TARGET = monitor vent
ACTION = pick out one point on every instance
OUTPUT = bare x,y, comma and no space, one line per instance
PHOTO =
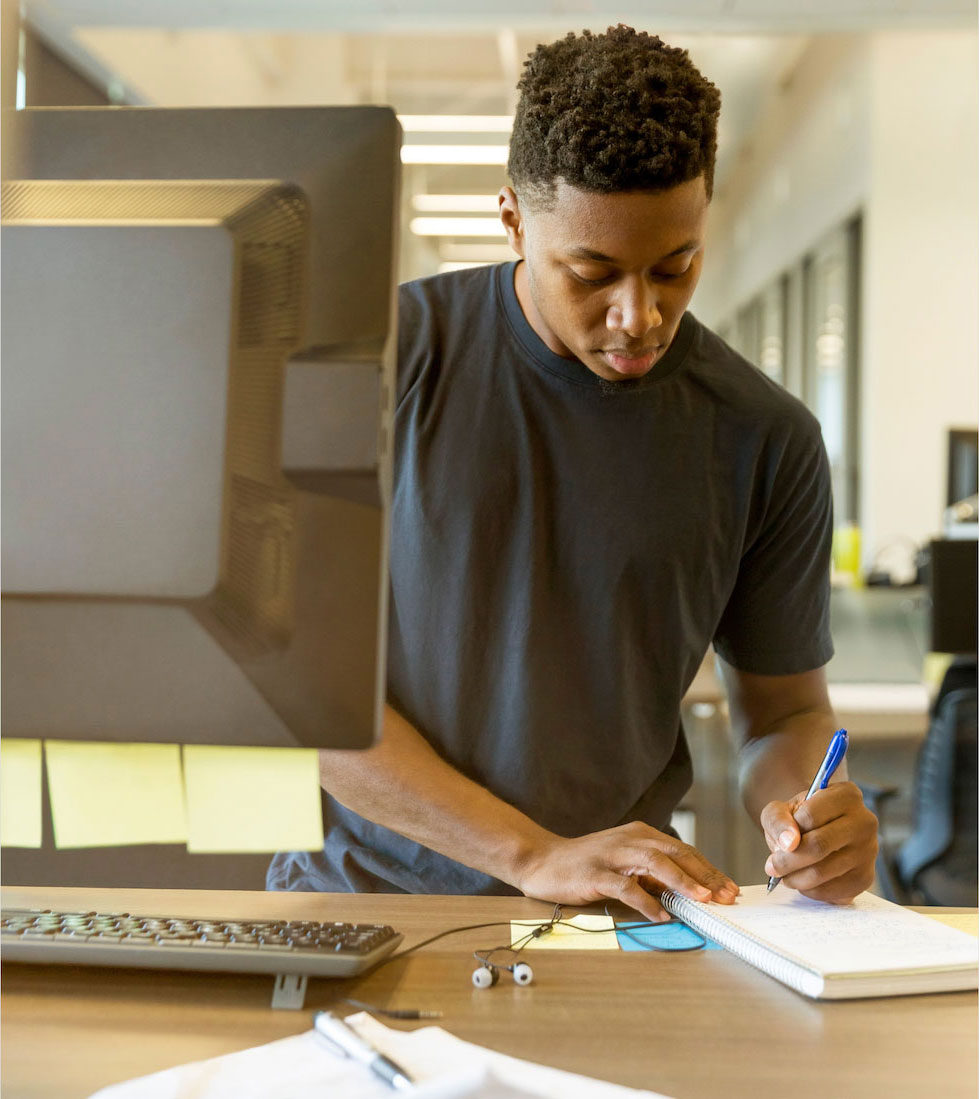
129,200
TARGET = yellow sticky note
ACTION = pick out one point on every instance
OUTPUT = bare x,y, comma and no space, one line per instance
252,799
582,932
961,921
108,795
20,793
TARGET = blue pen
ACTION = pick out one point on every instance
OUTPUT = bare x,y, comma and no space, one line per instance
833,758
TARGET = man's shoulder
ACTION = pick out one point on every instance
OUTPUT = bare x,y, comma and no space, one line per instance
475,285
441,317
741,386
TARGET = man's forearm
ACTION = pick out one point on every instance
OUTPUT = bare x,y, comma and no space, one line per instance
824,846
402,784
779,764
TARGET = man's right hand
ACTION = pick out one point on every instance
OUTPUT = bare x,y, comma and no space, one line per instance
631,863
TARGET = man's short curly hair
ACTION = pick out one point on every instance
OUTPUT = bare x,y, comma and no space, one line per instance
620,111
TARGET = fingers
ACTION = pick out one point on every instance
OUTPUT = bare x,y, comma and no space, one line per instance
842,889
672,864
838,800
628,863
834,858
782,832
815,847
630,892
784,822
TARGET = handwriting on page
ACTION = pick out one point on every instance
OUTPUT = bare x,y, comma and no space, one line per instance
864,936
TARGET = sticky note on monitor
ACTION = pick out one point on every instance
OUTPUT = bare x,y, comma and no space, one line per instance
252,799
20,793
107,795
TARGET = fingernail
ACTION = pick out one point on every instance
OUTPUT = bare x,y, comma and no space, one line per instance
702,891
785,840
769,868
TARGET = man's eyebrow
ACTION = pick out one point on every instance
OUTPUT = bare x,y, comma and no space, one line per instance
582,252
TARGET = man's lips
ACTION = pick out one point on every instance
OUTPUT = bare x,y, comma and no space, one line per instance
629,361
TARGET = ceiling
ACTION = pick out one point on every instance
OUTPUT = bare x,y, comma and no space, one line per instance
459,57
711,16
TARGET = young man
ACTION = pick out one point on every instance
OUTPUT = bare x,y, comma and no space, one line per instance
590,489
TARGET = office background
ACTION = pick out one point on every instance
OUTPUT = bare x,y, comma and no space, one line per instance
844,233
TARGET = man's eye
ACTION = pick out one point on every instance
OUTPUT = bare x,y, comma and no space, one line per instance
671,274
589,278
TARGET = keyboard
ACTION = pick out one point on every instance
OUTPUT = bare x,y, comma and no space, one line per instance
303,948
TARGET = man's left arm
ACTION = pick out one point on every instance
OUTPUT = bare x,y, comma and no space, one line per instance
824,847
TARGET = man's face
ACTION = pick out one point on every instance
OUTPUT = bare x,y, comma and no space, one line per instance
608,277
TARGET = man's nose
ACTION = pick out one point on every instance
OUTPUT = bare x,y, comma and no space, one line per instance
635,309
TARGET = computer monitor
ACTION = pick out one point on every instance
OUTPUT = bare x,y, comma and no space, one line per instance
963,464
198,352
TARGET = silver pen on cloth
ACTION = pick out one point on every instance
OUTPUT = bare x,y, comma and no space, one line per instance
347,1040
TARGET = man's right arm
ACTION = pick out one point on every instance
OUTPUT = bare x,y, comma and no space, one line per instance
403,784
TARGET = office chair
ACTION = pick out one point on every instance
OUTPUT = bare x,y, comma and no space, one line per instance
937,863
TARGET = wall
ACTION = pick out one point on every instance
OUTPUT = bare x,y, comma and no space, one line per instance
805,169
886,123
222,68
922,275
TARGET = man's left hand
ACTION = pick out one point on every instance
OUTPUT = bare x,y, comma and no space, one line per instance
824,847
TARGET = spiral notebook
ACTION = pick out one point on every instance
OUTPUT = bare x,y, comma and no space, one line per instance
836,952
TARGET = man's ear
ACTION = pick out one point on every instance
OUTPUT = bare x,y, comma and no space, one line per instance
512,219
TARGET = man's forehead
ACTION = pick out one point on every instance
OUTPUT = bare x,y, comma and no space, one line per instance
602,227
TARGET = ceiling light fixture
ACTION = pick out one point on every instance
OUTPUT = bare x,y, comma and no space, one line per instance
456,123
460,266
469,252
456,204
454,154
456,227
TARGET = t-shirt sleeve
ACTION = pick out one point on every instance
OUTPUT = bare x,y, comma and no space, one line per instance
415,336
776,621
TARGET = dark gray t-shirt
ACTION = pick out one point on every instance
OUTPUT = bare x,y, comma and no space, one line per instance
563,552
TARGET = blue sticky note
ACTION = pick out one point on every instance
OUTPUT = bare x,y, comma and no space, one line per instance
660,936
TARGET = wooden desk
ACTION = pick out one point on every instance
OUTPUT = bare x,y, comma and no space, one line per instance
692,1026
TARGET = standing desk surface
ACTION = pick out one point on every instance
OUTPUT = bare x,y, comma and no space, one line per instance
693,1026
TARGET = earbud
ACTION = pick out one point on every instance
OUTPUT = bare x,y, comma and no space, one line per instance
486,976
488,973
522,973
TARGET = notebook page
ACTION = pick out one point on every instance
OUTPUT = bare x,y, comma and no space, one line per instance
869,935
